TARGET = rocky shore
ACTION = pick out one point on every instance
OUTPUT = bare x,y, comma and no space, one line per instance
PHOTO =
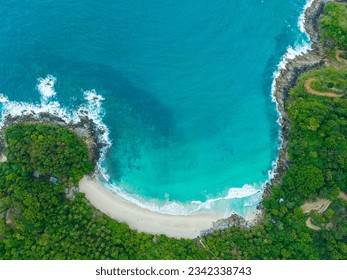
85,129
287,77
285,80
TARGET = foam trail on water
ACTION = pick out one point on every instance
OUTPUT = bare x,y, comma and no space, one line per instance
16,109
251,193
290,54
302,17
46,87
246,190
3,98
92,109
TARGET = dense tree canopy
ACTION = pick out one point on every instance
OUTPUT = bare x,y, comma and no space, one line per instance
51,150
38,222
334,25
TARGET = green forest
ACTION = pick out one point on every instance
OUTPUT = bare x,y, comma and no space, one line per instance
38,221
333,25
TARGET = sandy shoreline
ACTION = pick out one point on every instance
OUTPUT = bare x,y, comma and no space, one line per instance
193,225
143,219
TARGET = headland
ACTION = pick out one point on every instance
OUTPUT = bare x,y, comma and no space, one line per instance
204,222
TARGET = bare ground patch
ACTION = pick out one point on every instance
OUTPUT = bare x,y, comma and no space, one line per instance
339,58
320,206
310,225
319,93
342,195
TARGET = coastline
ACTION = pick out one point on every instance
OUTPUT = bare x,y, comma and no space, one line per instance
207,222
286,79
142,219
85,130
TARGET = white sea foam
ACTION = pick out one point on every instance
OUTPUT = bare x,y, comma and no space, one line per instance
92,109
46,87
302,17
290,54
246,190
15,109
48,105
3,98
252,194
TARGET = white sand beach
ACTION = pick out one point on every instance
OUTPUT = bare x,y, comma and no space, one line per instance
144,220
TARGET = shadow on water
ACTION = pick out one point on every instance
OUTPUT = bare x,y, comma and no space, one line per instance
131,112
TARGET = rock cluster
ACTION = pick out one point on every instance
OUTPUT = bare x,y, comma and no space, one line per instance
85,129
286,79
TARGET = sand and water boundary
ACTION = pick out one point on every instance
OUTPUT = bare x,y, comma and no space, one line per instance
203,222
206,222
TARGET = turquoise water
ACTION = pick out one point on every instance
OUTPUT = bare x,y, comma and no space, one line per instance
186,88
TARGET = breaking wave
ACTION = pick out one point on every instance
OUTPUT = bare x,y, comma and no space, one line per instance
249,195
290,54
91,108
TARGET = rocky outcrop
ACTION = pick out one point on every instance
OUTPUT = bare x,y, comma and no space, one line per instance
233,220
286,79
85,129
11,215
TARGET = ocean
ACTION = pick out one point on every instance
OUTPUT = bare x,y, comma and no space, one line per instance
182,89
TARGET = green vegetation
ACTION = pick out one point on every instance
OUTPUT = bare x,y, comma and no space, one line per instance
330,80
318,136
334,25
51,150
45,225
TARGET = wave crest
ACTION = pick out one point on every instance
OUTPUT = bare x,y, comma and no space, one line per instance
46,87
248,195
302,17
92,109
246,198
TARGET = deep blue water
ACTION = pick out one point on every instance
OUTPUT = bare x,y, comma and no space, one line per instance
187,85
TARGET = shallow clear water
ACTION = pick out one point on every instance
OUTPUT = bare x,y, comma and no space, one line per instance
187,87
